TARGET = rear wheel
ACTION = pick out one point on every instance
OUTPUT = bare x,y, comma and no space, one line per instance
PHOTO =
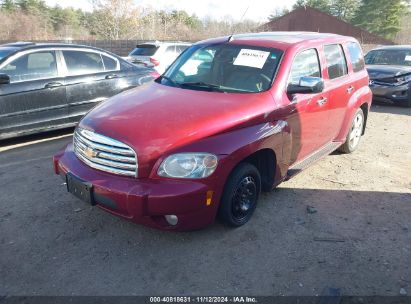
240,195
354,135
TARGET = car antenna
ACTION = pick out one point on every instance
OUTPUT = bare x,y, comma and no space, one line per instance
231,37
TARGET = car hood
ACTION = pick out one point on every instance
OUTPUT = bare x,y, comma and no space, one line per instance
155,118
387,71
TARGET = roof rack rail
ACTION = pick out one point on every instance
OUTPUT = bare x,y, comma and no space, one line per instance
156,42
19,43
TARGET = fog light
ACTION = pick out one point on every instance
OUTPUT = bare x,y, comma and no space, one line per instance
172,219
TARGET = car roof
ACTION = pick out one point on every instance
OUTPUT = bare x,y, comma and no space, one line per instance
280,39
394,47
19,46
8,48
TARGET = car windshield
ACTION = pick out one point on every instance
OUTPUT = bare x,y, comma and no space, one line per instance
224,68
144,50
389,57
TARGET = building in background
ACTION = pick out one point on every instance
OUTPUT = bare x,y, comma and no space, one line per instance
313,20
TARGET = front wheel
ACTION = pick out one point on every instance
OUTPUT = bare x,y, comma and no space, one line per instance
240,195
354,136
406,104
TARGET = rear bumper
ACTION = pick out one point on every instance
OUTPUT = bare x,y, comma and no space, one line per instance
145,201
391,94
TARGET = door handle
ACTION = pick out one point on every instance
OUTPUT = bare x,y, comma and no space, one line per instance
322,101
111,76
53,84
350,89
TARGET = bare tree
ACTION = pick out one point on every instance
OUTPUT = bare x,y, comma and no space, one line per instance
111,20
115,19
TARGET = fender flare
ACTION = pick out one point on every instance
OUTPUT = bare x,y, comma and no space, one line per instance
358,99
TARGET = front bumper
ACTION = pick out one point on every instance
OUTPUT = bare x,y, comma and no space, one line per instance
146,201
391,94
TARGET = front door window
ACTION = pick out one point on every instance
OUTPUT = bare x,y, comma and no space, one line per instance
32,66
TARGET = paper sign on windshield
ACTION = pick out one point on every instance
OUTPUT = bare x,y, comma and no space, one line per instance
251,58
408,58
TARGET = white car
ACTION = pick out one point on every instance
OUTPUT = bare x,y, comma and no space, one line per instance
159,55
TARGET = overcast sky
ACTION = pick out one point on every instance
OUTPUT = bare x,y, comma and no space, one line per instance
258,10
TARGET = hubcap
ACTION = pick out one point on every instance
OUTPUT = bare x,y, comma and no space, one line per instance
244,198
356,130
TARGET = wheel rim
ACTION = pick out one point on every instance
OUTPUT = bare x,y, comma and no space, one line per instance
244,198
356,130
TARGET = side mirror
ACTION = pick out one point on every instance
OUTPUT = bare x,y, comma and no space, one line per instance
307,85
4,79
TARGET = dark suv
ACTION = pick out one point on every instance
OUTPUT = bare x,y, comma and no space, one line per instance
49,86
389,68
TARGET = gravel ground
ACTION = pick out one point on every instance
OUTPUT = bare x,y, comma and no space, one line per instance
356,236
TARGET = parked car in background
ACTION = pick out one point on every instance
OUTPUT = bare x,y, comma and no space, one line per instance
193,145
157,54
389,68
50,86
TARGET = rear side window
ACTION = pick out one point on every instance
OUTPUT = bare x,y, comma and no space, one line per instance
170,49
306,64
336,63
80,63
144,50
357,60
109,63
33,66
181,48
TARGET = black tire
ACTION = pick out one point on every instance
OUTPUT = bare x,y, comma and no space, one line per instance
240,195
350,144
406,104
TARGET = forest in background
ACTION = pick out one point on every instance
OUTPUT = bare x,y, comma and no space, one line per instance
122,19
111,20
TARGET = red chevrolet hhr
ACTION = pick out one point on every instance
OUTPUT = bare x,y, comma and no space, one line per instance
231,117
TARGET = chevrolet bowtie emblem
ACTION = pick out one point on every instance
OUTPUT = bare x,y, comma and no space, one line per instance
91,153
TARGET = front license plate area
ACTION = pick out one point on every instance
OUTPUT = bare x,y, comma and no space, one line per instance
79,188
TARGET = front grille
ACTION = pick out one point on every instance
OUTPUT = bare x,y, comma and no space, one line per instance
383,82
104,153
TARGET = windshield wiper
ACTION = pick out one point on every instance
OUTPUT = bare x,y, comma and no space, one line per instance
201,84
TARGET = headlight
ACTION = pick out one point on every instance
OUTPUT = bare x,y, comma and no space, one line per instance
403,79
188,165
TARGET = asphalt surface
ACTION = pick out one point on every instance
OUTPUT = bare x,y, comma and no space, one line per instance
356,237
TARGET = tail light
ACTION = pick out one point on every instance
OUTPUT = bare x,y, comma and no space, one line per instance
154,74
154,61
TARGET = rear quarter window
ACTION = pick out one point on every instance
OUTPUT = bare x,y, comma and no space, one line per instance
356,57
170,49
109,63
181,48
336,62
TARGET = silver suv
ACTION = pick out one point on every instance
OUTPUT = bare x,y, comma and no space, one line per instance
158,55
